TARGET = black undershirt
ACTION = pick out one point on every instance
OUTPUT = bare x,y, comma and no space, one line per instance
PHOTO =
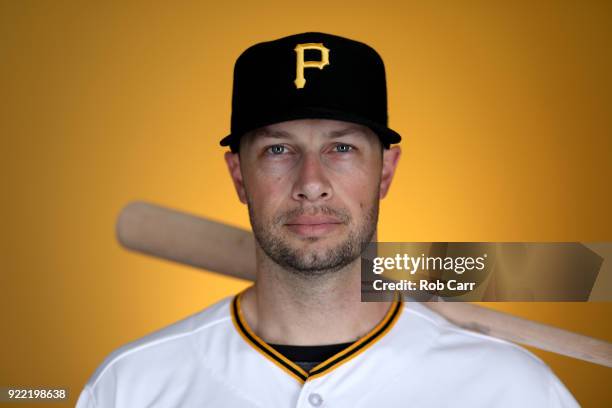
308,357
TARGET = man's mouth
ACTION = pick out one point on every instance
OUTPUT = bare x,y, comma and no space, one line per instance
309,225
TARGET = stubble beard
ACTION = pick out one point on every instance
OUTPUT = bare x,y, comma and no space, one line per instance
306,262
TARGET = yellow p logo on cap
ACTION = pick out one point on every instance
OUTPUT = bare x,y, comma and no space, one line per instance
300,81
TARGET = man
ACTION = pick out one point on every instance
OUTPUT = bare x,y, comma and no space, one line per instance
311,156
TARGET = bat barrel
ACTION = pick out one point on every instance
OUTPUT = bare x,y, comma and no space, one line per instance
187,239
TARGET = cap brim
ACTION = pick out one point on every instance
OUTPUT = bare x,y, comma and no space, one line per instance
386,134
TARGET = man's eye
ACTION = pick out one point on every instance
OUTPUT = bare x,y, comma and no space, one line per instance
276,149
343,148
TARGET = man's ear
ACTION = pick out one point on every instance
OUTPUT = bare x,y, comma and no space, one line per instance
233,165
390,159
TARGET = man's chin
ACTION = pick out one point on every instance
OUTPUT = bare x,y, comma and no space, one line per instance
315,253
310,256
314,266
313,242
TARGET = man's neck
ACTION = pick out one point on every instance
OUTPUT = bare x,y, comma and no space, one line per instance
284,308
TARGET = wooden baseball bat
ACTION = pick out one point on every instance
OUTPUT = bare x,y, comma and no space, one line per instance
218,247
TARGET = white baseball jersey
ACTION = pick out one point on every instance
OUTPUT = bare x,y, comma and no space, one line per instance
412,358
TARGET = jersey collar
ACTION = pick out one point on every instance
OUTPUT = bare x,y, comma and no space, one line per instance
326,366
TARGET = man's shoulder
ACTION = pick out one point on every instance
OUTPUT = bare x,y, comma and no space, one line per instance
166,346
461,346
473,366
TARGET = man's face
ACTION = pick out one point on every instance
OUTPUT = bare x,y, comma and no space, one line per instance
312,187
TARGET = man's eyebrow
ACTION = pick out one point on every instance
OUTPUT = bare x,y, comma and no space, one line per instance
277,134
346,131
281,134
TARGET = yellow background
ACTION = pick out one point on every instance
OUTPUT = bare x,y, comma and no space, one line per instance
504,108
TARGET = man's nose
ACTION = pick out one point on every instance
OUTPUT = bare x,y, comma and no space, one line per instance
312,183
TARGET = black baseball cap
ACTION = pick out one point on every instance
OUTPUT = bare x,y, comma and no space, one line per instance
309,75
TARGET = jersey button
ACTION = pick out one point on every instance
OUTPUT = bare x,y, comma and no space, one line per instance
315,399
